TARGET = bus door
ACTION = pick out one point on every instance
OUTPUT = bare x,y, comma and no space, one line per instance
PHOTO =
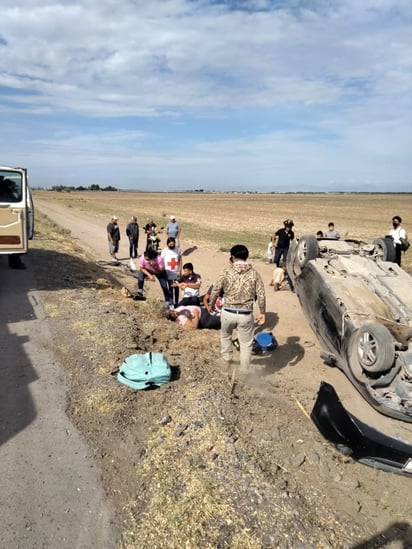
16,211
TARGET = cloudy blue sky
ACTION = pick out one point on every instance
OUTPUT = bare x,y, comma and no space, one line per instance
264,95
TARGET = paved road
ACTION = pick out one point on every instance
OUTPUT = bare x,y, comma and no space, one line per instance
50,494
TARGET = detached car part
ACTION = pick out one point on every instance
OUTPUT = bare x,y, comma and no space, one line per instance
356,439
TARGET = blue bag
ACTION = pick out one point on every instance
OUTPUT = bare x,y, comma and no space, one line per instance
264,342
144,371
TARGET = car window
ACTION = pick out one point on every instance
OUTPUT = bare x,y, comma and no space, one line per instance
10,187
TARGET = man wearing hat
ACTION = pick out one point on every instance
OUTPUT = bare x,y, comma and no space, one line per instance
173,229
281,240
113,236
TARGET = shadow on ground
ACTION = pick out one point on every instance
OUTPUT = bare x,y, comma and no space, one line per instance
61,271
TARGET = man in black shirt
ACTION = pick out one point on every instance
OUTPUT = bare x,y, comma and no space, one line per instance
113,236
281,240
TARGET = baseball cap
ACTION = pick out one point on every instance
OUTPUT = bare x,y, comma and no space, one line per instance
172,217
114,217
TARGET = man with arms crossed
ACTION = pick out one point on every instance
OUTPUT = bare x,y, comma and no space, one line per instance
240,286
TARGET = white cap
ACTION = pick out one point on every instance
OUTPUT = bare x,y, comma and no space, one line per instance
114,217
172,217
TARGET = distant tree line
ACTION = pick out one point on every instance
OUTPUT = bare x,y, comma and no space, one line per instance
94,187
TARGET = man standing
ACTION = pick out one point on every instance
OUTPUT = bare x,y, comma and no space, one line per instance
397,233
332,232
173,266
113,236
240,285
281,240
173,229
132,232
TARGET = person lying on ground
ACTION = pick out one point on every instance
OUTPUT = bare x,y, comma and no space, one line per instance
192,316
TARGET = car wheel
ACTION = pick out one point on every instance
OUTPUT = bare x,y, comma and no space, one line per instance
308,249
387,247
371,350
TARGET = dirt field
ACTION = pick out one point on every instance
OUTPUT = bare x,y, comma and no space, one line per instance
191,465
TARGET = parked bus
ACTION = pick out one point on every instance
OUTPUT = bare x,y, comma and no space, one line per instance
16,212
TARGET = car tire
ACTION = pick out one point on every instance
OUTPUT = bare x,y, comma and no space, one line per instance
387,247
307,249
371,350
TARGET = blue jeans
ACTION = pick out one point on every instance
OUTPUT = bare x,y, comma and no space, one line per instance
174,291
161,277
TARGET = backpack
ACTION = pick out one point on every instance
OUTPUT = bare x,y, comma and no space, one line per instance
404,244
264,342
144,371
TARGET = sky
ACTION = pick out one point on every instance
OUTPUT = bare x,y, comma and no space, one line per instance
177,95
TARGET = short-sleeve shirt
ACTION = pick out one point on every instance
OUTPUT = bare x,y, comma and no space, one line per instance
284,238
171,260
154,266
397,234
173,229
192,279
332,234
114,231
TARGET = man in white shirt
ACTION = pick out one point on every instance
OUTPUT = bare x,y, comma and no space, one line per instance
397,233
332,232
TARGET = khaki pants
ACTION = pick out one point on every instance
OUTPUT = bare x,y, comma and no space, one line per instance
244,324
278,277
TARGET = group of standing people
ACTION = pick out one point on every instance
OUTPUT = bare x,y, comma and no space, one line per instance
281,239
173,229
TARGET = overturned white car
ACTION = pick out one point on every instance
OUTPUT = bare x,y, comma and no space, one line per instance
359,304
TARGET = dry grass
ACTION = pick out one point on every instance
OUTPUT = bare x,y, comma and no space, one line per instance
223,219
188,508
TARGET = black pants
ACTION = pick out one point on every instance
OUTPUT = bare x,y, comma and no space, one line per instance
398,254
133,248
279,253
174,291
194,300
15,261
